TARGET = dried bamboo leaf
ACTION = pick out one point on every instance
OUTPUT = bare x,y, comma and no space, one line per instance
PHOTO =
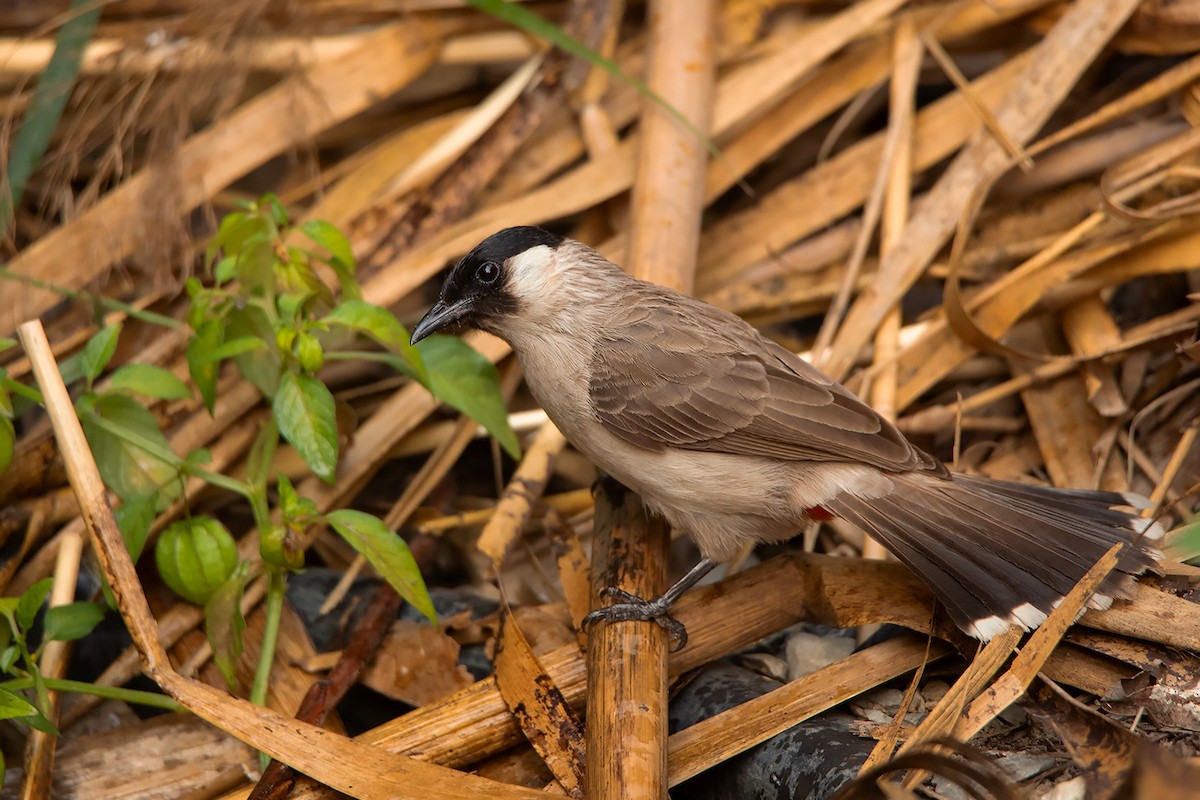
546,719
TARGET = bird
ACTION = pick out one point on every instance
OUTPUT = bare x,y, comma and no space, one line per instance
736,440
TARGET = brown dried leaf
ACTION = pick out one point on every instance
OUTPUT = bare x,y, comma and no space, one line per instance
417,664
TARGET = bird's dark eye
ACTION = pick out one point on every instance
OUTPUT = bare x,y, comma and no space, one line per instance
488,272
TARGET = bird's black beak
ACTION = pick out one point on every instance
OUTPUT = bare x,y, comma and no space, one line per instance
438,317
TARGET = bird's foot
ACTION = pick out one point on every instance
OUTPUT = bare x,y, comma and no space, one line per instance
631,607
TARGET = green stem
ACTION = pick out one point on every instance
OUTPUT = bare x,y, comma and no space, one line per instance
275,594
151,699
274,613
106,302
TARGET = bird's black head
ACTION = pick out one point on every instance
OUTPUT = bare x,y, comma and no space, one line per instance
478,292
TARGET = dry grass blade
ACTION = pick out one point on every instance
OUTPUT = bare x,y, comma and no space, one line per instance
941,720
1057,62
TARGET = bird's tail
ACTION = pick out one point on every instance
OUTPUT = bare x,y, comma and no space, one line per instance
998,553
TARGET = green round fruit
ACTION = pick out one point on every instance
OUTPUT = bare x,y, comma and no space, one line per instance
195,557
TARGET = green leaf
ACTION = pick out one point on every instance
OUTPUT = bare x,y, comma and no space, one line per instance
9,657
203,369
8,438
328,236
28,392
31,601
225,270
195,557
99,351
127,444
38,722
294,508
341,255
7,343
256,266
275,209
381,325
134,518
71,368
6,406
198,457
13,705
231,348
468,382
304,411
260,366
73,620
387,553
151,381
224,624
1183,543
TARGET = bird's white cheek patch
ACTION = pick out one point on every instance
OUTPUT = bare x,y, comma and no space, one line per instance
532,275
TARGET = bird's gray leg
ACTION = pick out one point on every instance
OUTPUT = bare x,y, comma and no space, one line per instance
632,607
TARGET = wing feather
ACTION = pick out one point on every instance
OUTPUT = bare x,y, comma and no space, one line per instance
674,372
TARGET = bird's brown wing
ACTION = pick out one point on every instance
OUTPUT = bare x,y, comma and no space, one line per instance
674,372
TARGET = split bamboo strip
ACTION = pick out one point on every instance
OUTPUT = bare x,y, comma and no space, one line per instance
549,723
515,506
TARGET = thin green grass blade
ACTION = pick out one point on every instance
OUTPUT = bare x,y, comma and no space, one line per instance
49,98
531,23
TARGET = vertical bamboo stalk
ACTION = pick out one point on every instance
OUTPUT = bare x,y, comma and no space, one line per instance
668,189
906,59
626,661
40,747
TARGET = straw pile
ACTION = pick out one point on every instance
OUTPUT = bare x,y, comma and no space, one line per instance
980,214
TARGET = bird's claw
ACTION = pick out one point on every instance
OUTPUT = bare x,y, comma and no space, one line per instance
631,607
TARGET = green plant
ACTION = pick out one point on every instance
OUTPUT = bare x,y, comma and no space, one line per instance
269,312
20,662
